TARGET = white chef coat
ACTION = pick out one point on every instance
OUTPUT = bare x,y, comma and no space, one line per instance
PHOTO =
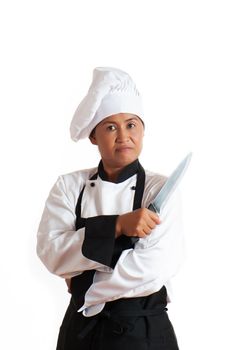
140,271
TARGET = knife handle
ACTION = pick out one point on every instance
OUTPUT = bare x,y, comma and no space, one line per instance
152,208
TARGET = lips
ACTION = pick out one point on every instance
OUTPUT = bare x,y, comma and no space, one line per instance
124,149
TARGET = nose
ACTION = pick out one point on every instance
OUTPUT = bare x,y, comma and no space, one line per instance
122,135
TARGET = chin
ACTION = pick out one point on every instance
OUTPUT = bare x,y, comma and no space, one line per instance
123,161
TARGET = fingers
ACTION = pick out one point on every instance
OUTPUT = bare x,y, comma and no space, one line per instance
145,231
154,217
138,223
149,221
144,228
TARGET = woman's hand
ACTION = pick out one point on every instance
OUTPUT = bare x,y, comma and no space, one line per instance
138,223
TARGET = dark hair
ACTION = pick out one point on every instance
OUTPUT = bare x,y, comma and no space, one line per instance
93,132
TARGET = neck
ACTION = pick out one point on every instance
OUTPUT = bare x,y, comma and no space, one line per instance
112,173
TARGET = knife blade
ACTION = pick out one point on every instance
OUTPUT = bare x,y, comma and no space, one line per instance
170,185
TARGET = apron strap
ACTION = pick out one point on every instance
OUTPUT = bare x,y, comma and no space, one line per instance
80,222
140,185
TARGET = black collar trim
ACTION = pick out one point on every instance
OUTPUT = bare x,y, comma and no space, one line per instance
128,171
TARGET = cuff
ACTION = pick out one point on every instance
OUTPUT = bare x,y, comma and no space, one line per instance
99,240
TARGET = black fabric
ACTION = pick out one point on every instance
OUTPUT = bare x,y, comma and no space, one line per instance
138,323
122,243
80,283
140,185
80,222
79,286
128,171
99,241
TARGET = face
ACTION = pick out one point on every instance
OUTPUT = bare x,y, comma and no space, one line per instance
119,139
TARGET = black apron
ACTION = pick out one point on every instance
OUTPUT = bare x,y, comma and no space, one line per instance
140,323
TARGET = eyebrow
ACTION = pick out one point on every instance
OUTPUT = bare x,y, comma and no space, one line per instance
114,122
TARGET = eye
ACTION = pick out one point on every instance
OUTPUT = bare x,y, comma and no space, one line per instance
131,125
111,128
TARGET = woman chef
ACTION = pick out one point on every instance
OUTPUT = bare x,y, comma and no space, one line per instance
97,233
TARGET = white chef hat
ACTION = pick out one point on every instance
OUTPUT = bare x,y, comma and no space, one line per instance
112,91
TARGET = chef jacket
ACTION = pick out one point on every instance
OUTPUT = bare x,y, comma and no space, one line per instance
67,252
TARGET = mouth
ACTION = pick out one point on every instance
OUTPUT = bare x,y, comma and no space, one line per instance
124,149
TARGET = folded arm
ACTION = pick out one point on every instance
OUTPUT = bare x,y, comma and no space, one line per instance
146,268
62,248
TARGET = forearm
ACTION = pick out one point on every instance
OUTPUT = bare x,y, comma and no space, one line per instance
144,269
59,245
62,253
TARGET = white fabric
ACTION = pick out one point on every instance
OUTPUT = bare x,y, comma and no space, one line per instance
112,91
140,271
58,243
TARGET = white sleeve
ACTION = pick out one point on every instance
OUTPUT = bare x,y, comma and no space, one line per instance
59,245
146,268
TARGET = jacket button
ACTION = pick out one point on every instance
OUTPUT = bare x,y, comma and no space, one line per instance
133,188
92,184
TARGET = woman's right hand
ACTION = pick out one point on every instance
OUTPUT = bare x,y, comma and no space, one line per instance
138,223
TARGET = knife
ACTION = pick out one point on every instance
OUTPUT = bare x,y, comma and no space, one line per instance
170,185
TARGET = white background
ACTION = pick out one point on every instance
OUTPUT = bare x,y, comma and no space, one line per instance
180,55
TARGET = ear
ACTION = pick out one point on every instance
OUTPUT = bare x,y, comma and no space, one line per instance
92,138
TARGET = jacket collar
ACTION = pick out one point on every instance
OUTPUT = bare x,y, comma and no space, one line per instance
128,171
